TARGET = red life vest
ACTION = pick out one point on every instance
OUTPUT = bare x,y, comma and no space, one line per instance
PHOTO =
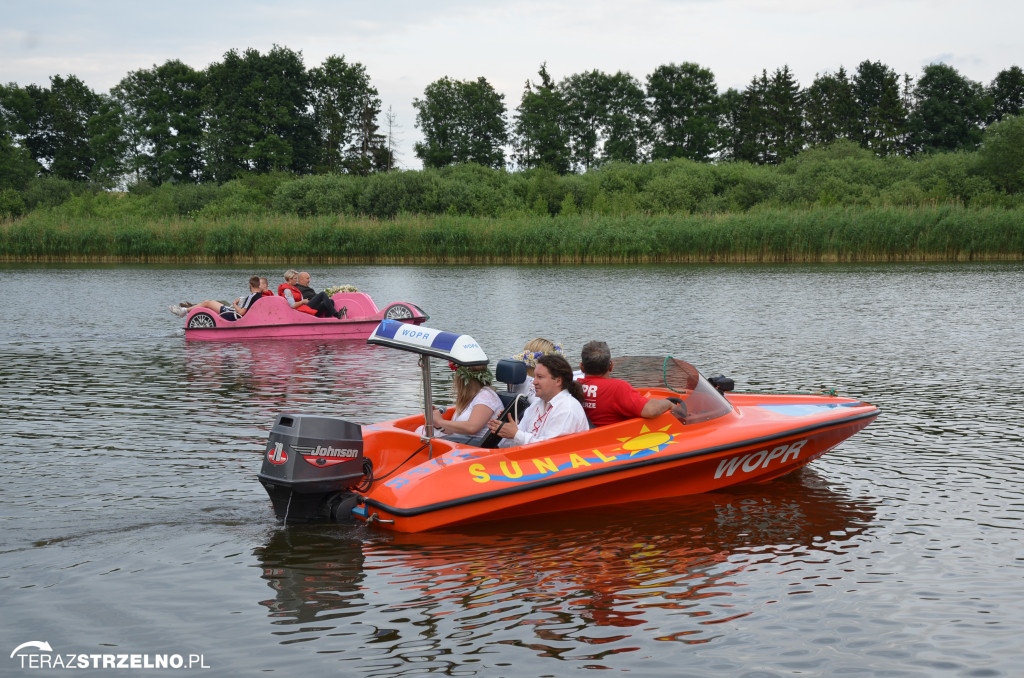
298,295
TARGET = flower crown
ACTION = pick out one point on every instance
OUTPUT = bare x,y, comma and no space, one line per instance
530,357
484,376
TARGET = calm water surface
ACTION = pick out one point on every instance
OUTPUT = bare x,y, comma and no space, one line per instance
131,520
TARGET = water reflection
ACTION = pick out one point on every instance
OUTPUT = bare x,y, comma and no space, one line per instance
300,375
131,457
571,587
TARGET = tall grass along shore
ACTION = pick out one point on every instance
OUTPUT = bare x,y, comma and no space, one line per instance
818,234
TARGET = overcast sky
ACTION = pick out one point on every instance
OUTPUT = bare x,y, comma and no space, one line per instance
407,44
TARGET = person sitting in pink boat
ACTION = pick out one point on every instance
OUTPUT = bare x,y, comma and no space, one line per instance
304,298
558,410
235,311
293,294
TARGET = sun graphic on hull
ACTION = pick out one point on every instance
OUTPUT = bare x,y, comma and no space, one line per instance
647,442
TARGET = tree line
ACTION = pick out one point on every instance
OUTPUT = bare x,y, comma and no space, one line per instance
249,113
254,113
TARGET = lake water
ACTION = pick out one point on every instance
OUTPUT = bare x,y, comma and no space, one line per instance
131,521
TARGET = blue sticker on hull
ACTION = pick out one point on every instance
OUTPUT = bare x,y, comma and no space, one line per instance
804,409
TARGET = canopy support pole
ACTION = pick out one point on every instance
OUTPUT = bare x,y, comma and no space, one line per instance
428,404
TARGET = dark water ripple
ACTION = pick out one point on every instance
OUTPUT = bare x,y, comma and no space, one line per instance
130,518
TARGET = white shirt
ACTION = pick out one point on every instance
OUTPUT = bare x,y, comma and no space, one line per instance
486,396
562,416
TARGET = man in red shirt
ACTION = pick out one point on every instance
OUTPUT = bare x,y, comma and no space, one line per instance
608,400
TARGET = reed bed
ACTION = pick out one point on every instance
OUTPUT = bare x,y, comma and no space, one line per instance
822,234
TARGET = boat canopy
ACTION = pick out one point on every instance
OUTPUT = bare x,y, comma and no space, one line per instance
460,349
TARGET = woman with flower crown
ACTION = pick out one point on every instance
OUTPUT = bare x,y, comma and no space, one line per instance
476,402
534,349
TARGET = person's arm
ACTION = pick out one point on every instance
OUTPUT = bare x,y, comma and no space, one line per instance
655,407
242,310
478,417
292,301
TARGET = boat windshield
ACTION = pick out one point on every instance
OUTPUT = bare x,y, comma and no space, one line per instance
703,401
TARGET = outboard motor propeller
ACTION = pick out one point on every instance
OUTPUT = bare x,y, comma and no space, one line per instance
311,460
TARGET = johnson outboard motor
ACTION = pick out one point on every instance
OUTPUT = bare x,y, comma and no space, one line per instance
310,466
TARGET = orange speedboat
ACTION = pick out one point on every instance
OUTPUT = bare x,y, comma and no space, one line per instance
387,474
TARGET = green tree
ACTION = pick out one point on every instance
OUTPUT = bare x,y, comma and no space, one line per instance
685,112
258,114
345,109
750,122
371,152
785,116
163,122
730,120
16,163
1001,156
881,124
627,134
585,97
767,119
540,138
607,119
52,124
1007,93
71,105
462,121
109,143
830,111
950,111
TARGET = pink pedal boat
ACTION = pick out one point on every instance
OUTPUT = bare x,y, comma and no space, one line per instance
273,318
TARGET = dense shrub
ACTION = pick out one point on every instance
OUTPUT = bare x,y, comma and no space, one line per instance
11,204
1001,157
840,175
323,194
46,192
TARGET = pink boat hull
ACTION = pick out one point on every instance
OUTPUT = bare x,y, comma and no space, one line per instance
273,318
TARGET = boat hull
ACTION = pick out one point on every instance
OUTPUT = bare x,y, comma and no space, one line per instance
272,318
449,484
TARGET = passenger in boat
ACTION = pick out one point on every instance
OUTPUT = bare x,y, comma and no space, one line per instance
236,310
607,400
265,288
292,294
475,402
319,301
558,410
534,349
304,298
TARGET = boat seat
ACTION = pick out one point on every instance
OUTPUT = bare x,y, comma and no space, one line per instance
514,410
510,372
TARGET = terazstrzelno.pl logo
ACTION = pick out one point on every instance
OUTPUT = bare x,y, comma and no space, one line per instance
39,655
